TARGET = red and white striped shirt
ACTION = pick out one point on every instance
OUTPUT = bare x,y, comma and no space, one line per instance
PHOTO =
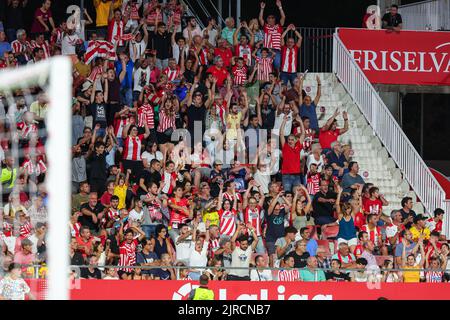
244,52
132,148
178,216
146,114
265,67
165,122
127,252
434,276
374,235
213,245
288,275
56,38
309,138
272,36
239,75
254,218
19,47
203,57
289,59
32,168
313,183
44,46
172,74
230,197
27,129
113,214
25,229
227,222
75,230
115,29
119,125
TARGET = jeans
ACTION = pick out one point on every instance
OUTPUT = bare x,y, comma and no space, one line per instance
126,96
288,77
290,180
149,230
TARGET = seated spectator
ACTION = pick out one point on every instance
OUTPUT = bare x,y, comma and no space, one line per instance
284,245
91,272
148,257
419,229
337,160
393,231
352,180
407,212
166,272
408,262
308,107
335,273
288,273
361,274
347,259
300,254
435,223
368,255
311,273
323,260
260,273
375,235
388,274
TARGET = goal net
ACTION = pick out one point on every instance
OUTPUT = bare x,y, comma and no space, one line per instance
35,137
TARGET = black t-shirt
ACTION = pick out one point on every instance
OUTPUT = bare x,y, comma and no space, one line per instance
196,114
275,226
87,220
323,209
406,215
86,274
161,43
337,277
392,21
149,177
98,166
162,274
77,259
299,260
98,112
114,91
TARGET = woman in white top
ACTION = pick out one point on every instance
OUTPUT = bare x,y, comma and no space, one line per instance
316,157
151,152
388,275
199,253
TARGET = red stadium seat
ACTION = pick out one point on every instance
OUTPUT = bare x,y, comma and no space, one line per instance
326,244
330,232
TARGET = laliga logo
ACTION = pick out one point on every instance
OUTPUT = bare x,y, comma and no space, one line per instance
185,289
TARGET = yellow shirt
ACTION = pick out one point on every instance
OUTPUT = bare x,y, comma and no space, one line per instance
212,217
121,192
39,109
416,233
411,276
102,10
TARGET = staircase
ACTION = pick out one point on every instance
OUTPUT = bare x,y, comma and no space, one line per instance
376,166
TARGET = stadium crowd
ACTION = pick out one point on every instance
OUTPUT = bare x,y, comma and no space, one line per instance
263,186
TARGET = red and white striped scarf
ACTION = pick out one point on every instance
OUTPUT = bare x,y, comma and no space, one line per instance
99,48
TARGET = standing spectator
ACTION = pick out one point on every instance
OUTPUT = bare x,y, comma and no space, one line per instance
323,204
128,250
289,56
43,20
419,229
329,133
212,31
311,273
5,46
352,180
392,21
12,286
374,204
116,25
435,223
103,9
229,30
199,252
241,255
308,106
275,224
192,29
273,32
162,41
409,262
223,50
92,212
14,18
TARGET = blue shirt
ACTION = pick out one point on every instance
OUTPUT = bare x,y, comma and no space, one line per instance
311,247
311,113
127,82
4,47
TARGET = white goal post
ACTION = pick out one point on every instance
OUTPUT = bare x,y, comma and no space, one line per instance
56,75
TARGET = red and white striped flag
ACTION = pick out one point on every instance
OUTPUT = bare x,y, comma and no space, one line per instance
100,48
125,37
95,71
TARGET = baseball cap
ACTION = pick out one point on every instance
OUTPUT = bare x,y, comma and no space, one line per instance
86,85
217,162
419,217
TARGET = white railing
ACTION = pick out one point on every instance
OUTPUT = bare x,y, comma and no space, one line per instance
434,15
384,125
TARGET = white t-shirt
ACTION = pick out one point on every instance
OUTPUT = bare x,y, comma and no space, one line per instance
68,44
139,74
263,179
149,157
198,259
320,163
137,48
196,32
241,258
34,240
176,52
183,249
212,34
257,275
287,126
136,216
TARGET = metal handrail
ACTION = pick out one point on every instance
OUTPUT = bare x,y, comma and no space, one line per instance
384,125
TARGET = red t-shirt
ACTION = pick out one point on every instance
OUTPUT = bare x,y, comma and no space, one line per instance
37,26
372,206
220,74
327,137
359,220
177,216
225,54
106,198
358,250
291,159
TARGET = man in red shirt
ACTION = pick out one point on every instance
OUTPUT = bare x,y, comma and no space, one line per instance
289,56
291,169
374,204
224,51
218,71
85,241
329,133
363,237
435,224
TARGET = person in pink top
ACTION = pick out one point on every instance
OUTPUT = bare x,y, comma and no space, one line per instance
25,256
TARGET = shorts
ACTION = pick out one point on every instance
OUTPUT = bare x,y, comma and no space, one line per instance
163,138
351,242
270,248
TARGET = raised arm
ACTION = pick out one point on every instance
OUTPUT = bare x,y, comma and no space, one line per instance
283,16
345,129
261,14
319,91
281,132
330,121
